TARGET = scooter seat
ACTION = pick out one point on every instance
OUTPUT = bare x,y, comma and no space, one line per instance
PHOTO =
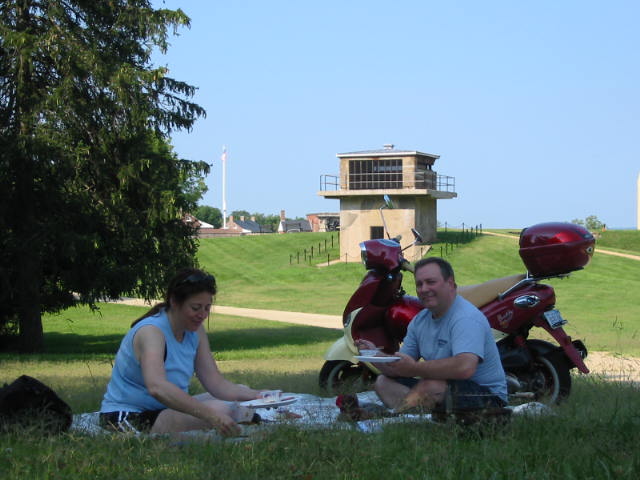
483,293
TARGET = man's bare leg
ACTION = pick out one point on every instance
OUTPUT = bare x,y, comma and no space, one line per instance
424,395
391,392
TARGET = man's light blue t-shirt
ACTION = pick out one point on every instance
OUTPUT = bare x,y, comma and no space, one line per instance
462,329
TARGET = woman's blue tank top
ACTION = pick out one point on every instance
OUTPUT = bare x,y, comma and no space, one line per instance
126,390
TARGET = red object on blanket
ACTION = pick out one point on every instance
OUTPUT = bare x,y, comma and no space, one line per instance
350,408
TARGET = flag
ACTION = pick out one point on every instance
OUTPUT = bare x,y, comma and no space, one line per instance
223,157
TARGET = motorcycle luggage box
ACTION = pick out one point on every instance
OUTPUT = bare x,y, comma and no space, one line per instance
555,248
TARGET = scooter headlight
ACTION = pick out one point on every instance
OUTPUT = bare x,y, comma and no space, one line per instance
380,254
363,254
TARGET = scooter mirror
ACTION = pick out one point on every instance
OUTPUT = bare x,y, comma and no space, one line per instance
416,235
388,203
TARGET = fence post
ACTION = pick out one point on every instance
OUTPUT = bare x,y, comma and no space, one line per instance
311,251
290,259
328,260
298,257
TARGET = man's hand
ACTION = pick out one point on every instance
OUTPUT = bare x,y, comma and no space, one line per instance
405,367
362,344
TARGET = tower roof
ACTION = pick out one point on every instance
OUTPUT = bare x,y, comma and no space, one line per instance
389,150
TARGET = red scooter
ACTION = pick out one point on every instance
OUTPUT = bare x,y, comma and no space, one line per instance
380,311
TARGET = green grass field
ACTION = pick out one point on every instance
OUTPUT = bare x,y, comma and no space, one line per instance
620,240
600,301
259,272
593,435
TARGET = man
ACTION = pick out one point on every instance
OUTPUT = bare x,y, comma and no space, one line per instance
461,367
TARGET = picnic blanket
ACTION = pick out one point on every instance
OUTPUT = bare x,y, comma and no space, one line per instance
313,412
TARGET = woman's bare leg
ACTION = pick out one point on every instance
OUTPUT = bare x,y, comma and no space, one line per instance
170,421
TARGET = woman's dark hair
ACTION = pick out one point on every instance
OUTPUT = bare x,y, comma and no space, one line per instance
183,285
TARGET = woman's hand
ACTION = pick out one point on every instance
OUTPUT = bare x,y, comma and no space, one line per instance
224,425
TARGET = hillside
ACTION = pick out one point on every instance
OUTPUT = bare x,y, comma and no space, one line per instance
620,240
600,301
263,272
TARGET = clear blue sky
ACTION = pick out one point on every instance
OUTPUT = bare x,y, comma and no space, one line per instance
534,107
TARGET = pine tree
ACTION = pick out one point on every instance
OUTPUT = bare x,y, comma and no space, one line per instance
91,194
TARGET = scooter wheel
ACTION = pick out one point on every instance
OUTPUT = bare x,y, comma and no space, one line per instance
554,382
341,376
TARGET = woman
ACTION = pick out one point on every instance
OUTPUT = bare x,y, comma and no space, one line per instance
148,390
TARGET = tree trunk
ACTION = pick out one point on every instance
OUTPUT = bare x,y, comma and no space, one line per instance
31,337
28,283
28,275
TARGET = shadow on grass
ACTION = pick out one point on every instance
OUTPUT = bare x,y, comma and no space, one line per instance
295,382
250,339
237,339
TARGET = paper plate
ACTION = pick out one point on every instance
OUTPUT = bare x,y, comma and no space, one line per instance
363,358
260,403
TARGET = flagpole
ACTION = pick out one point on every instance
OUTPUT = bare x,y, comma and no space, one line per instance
224,186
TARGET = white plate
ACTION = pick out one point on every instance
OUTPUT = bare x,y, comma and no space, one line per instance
363,358
260,403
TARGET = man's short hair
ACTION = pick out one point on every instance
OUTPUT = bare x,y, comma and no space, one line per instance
445,267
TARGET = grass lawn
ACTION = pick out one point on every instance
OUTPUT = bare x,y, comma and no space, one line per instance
256,272
601,416
592,435
627,241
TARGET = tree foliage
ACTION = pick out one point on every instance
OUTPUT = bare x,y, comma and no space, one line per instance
271,222
211,215
91,194
236,214
591,223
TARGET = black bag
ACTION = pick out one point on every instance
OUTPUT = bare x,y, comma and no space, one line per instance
27,402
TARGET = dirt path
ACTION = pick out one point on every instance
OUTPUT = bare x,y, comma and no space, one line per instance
614,367
311,319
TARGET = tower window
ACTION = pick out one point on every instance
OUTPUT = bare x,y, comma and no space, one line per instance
375,174
376,232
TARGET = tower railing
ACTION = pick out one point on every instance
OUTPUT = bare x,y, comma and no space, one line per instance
368,181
